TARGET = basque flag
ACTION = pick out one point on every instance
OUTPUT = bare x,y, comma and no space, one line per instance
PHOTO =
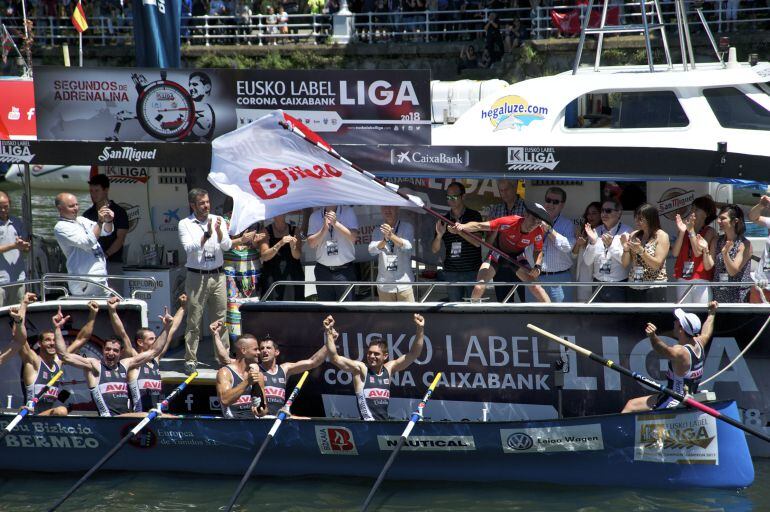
268,170
79,18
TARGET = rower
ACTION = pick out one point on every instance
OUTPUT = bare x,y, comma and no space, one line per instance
371,379
685,359
144,382
240,384
38,368
107,378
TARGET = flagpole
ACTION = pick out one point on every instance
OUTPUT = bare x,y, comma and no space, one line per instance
80,48
24,15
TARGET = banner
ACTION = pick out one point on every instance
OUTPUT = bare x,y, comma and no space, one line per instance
492,362
144,104
17,108
269,170
156,32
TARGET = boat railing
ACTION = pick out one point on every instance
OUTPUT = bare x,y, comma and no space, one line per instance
143,286
426,288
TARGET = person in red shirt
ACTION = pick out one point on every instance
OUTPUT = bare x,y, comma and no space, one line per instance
514,235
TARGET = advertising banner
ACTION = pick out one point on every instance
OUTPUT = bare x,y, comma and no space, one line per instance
144,104
495,367
17,109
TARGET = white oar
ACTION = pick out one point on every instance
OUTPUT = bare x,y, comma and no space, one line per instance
416,416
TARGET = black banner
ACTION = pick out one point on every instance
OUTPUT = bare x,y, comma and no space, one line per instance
194,105
489,356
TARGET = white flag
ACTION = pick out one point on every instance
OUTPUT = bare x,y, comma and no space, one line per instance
268,170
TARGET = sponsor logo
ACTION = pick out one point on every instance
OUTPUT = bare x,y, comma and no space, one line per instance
273,392
134,214
214,403
519,441
513,112
12,152
428,156
14,114
531,159
128,153
675,201
429,443
127,174
170,220
379,92
335,441
274,183
144,439
552,439
376,393
152,384
676,438
113,387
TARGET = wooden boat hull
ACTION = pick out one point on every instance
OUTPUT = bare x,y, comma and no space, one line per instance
661,449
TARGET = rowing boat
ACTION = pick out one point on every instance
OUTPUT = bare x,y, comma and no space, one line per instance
668,449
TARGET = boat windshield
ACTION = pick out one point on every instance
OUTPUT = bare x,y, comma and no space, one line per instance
626,110
734,109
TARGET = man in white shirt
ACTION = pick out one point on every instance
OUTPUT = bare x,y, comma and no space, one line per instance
605,252
393,244
557,249
13,242
333,231
78,238
204,238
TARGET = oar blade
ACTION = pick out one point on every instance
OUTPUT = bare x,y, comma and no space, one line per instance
381,477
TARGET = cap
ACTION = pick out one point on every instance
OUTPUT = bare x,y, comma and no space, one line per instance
689,321
539,211
100,179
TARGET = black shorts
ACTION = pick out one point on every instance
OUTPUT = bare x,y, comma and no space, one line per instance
496,261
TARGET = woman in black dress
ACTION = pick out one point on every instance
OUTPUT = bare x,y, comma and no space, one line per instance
281,251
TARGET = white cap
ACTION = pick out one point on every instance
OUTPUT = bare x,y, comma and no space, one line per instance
689,321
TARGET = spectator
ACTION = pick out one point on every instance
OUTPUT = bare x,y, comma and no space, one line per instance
13,243
272,24
731,256
462,254
493,38
204,238
242,263
393,244
486,59
513,35
583,271
604,252
78,238
468,58
645,250
112,245
281,259
244,23
334,231
557,249
689,265
511,204
283,20
762,274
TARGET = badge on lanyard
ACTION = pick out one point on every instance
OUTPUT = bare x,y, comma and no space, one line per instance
391,262
332,249
638,273
605,267
455,249
687,269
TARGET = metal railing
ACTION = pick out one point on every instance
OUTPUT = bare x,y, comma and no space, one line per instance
371,27
431,286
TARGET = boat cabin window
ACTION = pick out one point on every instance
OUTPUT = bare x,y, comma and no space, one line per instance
638,109
733,109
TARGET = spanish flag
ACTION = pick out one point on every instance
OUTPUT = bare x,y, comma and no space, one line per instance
79,18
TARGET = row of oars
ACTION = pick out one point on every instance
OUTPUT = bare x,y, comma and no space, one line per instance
416,416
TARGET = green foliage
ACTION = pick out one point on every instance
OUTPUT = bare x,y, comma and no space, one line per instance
230,61
272,59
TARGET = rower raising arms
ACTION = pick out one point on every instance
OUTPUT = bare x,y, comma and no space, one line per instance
276,374
37,369
220,351
18,339
144,381
685,359
238,381
371,379
107,378
117,327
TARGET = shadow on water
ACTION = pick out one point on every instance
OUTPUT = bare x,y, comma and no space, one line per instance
139,492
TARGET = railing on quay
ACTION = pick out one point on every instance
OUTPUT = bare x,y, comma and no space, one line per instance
426,289
372,27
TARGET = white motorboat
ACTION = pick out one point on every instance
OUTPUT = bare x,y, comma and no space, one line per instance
52,177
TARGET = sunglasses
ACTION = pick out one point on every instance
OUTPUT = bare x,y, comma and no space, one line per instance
552,201
609,210
450,197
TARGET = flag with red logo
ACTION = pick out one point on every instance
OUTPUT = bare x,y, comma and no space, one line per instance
6,41
269,170
79,18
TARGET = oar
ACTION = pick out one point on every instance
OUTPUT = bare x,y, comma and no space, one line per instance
650,383
24,410
416,416
134,431
270,435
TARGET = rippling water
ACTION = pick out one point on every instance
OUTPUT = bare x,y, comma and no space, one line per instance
131,492
44,214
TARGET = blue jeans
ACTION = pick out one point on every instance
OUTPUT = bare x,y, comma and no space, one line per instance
556,293
456,293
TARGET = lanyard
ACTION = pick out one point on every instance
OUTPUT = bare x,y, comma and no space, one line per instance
390,243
